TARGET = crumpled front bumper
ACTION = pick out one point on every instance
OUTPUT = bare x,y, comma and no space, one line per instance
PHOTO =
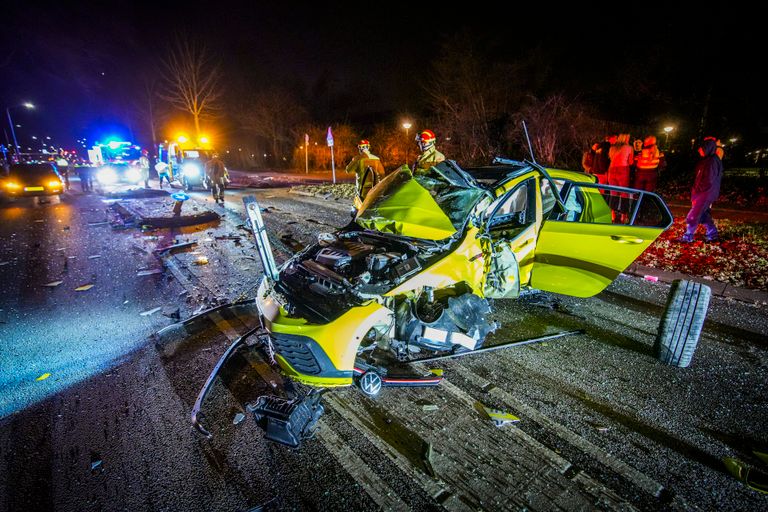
320,355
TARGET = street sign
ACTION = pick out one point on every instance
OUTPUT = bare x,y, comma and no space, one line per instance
329,138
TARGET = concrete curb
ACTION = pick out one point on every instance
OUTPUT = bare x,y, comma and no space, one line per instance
719,288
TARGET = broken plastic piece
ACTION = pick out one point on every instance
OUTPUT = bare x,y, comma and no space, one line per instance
53,283
499,417
201,260
288,422
150,311
84,288
751,477
652,279
149,272
238,418
43,377
426,458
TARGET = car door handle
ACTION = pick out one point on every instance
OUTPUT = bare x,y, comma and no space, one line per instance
525,243
626,239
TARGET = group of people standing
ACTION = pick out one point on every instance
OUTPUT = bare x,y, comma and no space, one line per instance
615,162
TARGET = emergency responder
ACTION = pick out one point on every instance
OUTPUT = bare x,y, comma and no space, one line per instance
647,165
144,167
218,177
364,160
163,173
429,154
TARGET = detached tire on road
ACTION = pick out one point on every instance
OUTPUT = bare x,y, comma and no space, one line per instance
682,322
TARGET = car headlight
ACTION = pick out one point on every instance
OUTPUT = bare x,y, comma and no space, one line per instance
12,185
133,175
190,170
54,184
106,175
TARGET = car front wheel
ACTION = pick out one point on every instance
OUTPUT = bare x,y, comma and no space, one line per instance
682,322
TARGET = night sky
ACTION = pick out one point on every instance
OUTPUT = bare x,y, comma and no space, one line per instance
84,64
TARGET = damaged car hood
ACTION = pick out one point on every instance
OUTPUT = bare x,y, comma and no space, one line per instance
431,205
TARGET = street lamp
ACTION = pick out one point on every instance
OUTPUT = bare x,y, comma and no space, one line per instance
667,131
407,125
27,105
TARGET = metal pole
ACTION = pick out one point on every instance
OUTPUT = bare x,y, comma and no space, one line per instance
501,346
306,156
13,133
333,166
407,145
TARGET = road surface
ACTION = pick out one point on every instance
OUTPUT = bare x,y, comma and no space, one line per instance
603,424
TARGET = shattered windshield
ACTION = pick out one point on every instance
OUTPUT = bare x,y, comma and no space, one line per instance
432,204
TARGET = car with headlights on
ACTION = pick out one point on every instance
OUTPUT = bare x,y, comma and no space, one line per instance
118,173
32,179
192,166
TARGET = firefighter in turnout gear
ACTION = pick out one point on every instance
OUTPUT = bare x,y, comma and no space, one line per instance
367,168
647,165
429,154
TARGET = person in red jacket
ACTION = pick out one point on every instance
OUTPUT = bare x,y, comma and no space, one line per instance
706,190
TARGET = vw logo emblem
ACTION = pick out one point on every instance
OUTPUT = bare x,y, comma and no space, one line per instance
370,383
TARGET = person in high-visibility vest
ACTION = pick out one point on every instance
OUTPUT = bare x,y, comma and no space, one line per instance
647,165
365,180
429,154
144,167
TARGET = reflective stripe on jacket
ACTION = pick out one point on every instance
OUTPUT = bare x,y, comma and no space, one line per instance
649,158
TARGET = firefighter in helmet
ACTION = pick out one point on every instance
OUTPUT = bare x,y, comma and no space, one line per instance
367,168
429,154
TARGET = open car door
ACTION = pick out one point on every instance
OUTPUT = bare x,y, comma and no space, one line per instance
601,230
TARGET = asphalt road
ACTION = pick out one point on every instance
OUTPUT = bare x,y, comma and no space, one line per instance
603,424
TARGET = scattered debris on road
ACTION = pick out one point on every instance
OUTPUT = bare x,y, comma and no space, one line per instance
150,311
175,247
239,417
497,416
53,284
84,288
43,377
426,458
172,311
201,260
149,272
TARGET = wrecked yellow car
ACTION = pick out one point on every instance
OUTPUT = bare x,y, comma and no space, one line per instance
411,276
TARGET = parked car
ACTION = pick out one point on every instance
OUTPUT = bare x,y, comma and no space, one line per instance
33,179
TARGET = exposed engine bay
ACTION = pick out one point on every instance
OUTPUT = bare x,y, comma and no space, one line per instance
352,268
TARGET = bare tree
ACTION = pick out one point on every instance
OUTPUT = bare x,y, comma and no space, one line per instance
275,116
471,97
192,80
557,126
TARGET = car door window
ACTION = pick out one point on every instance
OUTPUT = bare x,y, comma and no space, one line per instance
601,204
511,213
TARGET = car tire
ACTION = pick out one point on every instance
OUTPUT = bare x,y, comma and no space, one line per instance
682,322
